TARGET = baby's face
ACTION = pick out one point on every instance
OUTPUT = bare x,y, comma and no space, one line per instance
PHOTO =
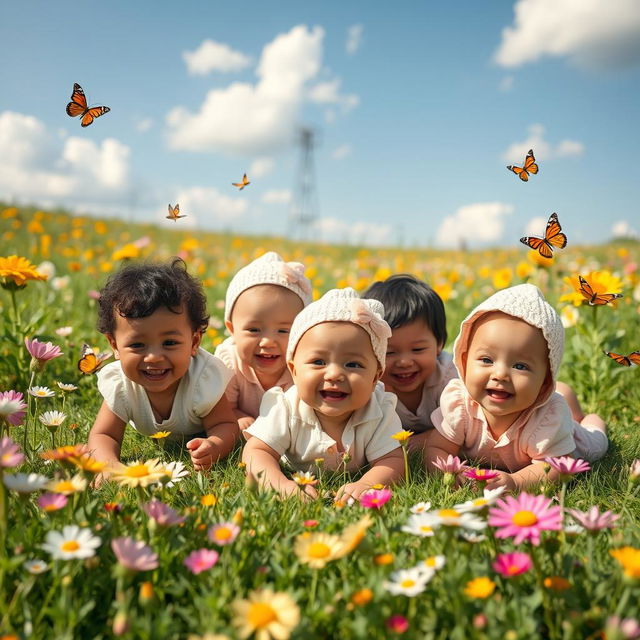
505,367
260,324
335,370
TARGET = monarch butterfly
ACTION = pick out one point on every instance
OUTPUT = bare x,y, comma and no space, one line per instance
174,212
530,166
90,362
553,237
243,184
593,297
625,361
78,107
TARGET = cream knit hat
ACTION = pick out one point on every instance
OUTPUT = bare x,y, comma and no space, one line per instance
268,269
344,305
523,301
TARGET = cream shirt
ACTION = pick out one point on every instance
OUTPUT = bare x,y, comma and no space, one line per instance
199,391
291,427
244,391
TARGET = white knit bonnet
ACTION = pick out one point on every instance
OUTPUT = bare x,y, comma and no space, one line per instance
344,305
268,269
524,301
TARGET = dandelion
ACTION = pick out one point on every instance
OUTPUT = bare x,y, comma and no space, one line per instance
40,392
25,482
72,542
524,517
223,533
375,498
162,513
407,582
267,614
160,435
35,567
567,466
201,560
594,520
402,436
134,555
52,501
138,474
512,564
629,559
52,419
317,549
12,407
480,588
16,271
10,455
397,624
304,478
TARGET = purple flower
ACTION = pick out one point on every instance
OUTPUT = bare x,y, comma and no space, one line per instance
201,560
594,520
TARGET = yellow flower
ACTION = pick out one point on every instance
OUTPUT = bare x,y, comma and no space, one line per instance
538,260
629,558
480,587
87,463
502,278
67,487
383,559
160,435
267,614
138,474
556,583
523,270
402,436
304,478
444,290
19,270
318,549
362,597
208,500
353,535
127,252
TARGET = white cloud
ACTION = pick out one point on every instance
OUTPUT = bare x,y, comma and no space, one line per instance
214,56
144,125
329,93
261,167
354,38
623,229
206,207
542,149
341,152
506,84
277,196
536,227
598,34
350,232
473,224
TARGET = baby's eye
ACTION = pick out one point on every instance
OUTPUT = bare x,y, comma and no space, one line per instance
318,362
520,366
285,331
419,349
353,365
252,329
485,360
136,345
170,343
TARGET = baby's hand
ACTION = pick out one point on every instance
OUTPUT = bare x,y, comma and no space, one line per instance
245,422
350,492
290,488
203,452
503,480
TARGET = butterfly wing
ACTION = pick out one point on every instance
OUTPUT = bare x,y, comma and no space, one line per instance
78,104
538,244
586,290
553,233
635,357
88,363
604,298
520,172
92,114
619,358
245,182
530,165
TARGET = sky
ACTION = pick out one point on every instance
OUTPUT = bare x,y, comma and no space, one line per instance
416,108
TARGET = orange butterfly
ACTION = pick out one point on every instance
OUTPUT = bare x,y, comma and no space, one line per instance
530,166
174,212
78,107
553,237
91,361
243,184
594,298
625,361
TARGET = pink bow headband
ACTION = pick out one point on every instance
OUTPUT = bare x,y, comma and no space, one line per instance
361,314
293,273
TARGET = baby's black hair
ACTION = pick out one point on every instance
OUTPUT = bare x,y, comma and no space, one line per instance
138,290
405,299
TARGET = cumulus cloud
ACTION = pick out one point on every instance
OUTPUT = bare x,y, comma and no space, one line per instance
473,224
350,232
206,207
354,38
599,34
329,93
542,149
536,227
254,119
261,167
341,152
214,56
622,229
277,196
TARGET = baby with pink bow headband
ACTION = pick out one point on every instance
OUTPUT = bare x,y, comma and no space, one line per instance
262,300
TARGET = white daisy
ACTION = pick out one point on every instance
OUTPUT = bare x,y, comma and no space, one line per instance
67,386
431,564
25,482
489,497
421,524
72,542
177,471
52,419
421,507
453,518
471,536
36,566
407,582
63,332
41,392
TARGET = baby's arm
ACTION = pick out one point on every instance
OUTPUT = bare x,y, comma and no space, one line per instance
387,470
263,464
105,438
221,428
437,446
244,419
530,476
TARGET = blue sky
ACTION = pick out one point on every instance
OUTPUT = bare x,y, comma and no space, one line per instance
418,107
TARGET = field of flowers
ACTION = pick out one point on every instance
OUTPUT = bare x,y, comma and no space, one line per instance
164,552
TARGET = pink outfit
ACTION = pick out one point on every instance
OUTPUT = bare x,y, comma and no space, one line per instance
543,431
420,421
244,391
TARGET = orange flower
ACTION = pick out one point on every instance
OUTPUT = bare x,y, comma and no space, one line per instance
18,270
556,583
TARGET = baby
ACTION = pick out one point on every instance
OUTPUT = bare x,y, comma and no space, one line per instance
416,369
262,300
153,316
503,410
335,411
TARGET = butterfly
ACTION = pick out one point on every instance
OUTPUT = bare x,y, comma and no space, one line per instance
243,184
594,298
625,361
530,166
78,107
90,362
553,237
174,212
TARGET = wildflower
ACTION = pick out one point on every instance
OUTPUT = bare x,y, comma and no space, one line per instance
383,559
489,497
201,560
431,564
163,514
402,436
556,583
375,498
208,500
397,624
569,316
304,478
87,463
72,542
451,465
223,533
627,628
629,559
62,454
267,614
63,332
176,470
25,482
512,564
310,524
353,535
481,587
524,517
159,435
594,520
145,595
35,567
420,507
126,252
317,549
453,518
52,501
16,271
52,419
480,475
40,392
567,466
361,597
134,555
41,353
407,582
421,524
12,407
10,455
138,474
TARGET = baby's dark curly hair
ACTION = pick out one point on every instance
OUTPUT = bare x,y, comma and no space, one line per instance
137,290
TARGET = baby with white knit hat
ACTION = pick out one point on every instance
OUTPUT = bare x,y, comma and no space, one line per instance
336,415
503,410
262,300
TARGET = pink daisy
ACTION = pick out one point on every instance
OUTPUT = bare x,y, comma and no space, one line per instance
512,564
52,501
481,475
524,517
451,465
567,466
163,514
10,455
42,352
594,520
223,533
201,560
375,498
397,624
12,407
134,555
